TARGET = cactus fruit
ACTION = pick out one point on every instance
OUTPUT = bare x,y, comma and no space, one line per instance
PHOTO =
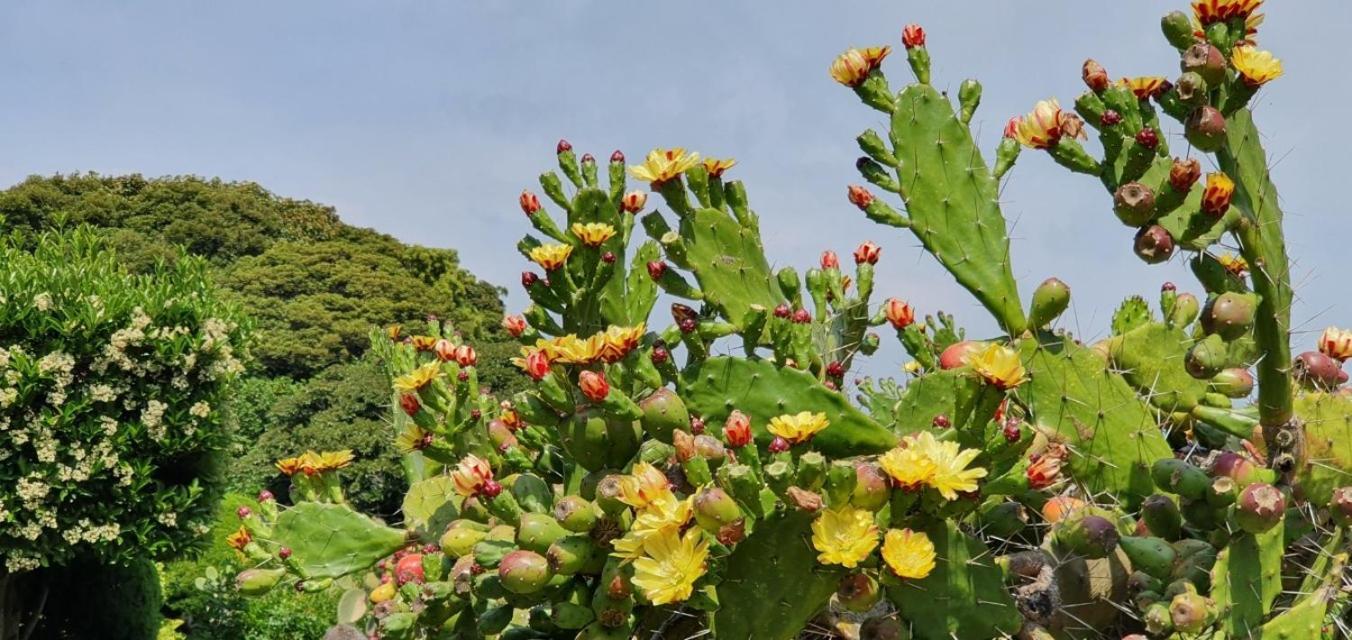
657,481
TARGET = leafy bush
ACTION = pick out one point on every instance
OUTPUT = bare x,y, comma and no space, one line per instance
110,399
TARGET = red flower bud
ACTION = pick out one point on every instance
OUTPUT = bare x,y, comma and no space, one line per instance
410,404
900,314
782,310
1148,138
243,513
593,385
465,356
1012,432
859,196
265,496
530,203
1012,127
696,425
835,370
737,430
867,252
514,325
1094,75
634,201
617,156
529,278
587,158
779,445
537,365
913,35
444,350
656,269
941,421
284,553
830,260
1110,118
1184,173
490,488
608,257
801,316
563,145
660,355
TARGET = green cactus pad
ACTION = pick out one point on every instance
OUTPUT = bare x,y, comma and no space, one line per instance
1328,444
953,200
1246,578
968,404
1150,358
729,262
964,598
773,584
331,540
1112,435
761,390
1134,312
430,505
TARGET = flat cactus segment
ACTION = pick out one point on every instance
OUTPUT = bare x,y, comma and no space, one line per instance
1131,314
773,584
1112,434
956,394
1246,578
964,598
1150,358
331,540
713,388
1305,618
729,263
1328,444
953,200
430,505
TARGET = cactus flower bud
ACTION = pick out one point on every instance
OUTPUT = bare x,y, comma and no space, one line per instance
858,592
563,146
779,445
265,496
444,350
530,203
1134,204
899,313
782,310
1216,196
912,36
1260,507
801,316
514,325
536,365
853,66
737,430
859,196
1012,432
1095,76
284,553
829,260
470,475
1184,173
660,355
1147,137
1205,128
1336,343
1044,472
1154,244
656,269
835,370
709,448
588,158
1110,117
617,157
410,404
941,421
803,500
1318,371
957,354
593,385
1340,506
529,278
867,252
634,201
243,513
258,581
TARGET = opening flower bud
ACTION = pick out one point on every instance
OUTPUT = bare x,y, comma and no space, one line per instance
1184,173
899,313
912,36
530,203
829,260
514,325
634,201
593,385
1094,75
737,430
867,252
859,196
1216,196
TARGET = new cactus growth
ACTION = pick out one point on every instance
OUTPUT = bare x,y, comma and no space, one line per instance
639,489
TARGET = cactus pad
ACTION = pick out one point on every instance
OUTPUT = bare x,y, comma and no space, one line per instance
964,598
331,540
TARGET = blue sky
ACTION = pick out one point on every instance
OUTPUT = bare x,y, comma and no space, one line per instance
425,120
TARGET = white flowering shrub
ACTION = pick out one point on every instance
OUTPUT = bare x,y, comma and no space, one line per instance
109,392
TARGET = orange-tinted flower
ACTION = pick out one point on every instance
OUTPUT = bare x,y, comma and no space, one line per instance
409,403
1209,11
634,201
424,343
530,203
289,466
239,539
717,167
850,68
551,256
913,35
859,196
444,350
593,385
593,234
830,260
1216,196
534,362
470,475
1046,469
514,325
664,164
1184,173
899,313
465,356
1041,128
1144,87
867,252
1094,75
1336,343
617,342
737,430
392,332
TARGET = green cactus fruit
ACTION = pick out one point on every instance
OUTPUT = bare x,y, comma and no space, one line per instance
1221,493
1090,536
663,412
1233,383
608,495
1178,29
858,592
502,533
1229,314
1185,310
872,488
574,554
1140,582
460,538
537,531
811,471
1157,620
1152,555
524,572
1191,612
1205,128
1194,560
576,514
1260,507
1205,60
596,442
1162,517
1207,357
655,452
1134,204
715,509
1050,300
398,626
1002,520
254,582
1201,514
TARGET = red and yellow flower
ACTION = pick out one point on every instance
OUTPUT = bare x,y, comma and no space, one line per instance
1041,128
716,167
592,234
1217,194
1144,87
1256,67
1336,343
850,68
470,475
664,164
551,256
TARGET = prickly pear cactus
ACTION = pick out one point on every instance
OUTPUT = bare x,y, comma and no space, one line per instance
1184,477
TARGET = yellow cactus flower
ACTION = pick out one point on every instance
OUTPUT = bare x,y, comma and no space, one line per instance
617,342
629,546
1236,265
423,343
644,486
999,365
290,466
909,554
334,460
666,512
1041,128
664,164
1143,87
418,378
850,68
1336,343
1209,11
1256,67
844,536
239,539
717,167
412,438
799,427
951,475
592,234
551,256
907,465
570,349
671,565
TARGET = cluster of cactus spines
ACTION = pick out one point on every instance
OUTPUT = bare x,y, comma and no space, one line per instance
1026,485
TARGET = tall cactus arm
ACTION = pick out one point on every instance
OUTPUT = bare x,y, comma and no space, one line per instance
1263,246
